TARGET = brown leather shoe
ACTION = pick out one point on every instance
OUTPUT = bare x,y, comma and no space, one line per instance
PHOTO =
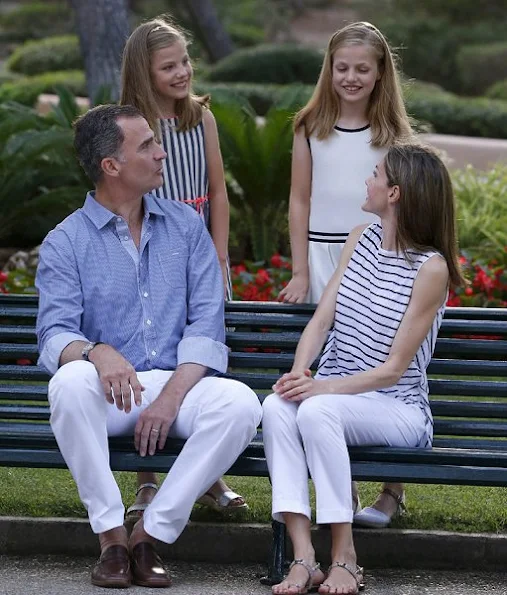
147,567
113,568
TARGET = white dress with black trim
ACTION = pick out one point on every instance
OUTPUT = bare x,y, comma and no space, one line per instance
340,165
371,302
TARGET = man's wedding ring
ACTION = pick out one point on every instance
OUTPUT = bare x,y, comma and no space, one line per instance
154,430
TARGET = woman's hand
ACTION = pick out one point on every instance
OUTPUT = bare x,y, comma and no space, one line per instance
298,386
295,291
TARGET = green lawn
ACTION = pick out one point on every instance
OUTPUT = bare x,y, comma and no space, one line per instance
43,492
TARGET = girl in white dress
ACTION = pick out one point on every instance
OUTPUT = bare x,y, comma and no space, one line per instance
384,303
355,114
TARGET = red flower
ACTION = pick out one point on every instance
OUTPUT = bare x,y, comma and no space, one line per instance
3,277
250,293
239,268
469,291
454,301
276,261
262,277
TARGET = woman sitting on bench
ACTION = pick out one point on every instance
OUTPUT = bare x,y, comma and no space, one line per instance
385,303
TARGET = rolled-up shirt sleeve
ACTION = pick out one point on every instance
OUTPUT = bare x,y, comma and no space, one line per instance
203,340
60,299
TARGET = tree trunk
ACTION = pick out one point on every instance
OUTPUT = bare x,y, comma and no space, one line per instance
208,28
103,28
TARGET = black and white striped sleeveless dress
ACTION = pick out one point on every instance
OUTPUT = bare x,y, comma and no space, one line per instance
186,172
371,302
185,169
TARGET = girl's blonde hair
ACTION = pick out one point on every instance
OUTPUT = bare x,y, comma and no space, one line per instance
136,84
426,209
386,111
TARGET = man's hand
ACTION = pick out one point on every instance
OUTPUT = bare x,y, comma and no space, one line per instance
154,424
117,376
298,386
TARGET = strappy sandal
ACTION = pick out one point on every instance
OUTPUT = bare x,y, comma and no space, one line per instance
356,572
376,519
223,502
308,587
135,512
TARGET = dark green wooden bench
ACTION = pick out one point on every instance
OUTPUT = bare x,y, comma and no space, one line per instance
468,388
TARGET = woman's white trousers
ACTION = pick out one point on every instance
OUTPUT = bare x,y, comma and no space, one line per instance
313,436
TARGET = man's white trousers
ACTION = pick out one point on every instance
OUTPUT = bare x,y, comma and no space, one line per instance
218,418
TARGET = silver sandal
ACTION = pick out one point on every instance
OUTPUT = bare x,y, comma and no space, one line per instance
140,508
376,519
357,574
308,586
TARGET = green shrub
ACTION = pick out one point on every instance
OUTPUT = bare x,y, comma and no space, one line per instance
428,47
39,168
27,89
481,65
457,11
498,91
37,20
481,199
6,76
261,98
276,64
246,35
47,55
428,104
449,114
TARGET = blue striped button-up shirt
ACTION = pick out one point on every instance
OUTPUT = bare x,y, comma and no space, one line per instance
160,305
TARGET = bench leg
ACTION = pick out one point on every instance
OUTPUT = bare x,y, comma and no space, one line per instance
277,561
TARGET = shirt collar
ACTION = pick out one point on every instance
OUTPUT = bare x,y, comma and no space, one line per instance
100,216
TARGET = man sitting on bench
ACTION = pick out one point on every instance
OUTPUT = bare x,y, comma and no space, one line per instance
131,324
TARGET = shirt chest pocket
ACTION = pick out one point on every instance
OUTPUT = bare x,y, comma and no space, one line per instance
173,268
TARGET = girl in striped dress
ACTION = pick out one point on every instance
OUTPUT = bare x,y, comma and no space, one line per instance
157,79
384,303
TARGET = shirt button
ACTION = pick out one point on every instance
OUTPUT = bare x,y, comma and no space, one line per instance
145,294
118,219
148,322
125,238
153,353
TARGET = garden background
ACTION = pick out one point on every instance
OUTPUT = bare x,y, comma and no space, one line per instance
453,55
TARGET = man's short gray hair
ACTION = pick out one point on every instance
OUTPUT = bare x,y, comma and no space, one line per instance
97,136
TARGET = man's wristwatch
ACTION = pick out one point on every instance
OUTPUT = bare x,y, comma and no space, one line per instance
85,353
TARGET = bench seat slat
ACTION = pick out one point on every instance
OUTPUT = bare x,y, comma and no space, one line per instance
452,409
12,372
283,361
289,340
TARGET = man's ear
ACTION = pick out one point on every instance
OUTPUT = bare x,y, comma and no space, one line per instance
110,166
393,194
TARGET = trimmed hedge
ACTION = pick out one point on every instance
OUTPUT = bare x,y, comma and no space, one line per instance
481,65
6,76
461,115
27,89
428,47
37,20
498,91
276,64
51,54
260,97
444,112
